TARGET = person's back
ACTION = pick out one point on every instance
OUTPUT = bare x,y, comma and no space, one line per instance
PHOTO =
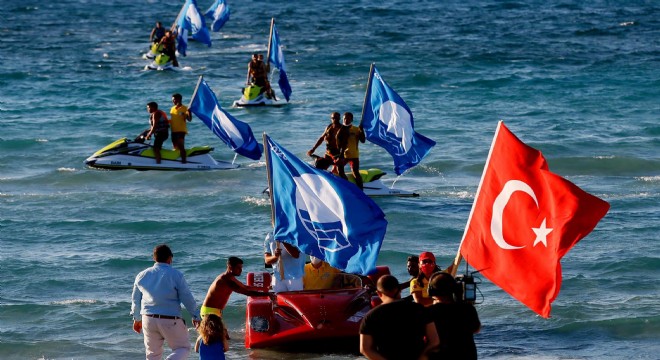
456,323
397,329
213,351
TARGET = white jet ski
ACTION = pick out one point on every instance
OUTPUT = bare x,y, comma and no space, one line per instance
135,154
254,95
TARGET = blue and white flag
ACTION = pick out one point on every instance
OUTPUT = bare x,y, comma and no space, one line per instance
322,214
191,23
276,57
218,12
388,122
235,133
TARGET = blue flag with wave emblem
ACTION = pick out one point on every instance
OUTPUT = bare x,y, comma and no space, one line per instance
218,12
388,122
191,23
323,215
235,133
276,57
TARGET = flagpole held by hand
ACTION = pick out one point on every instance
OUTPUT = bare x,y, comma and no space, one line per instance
280,264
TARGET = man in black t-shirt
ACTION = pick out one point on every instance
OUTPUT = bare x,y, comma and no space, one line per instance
396,329
456,322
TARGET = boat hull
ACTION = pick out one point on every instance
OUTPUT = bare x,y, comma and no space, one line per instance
300,317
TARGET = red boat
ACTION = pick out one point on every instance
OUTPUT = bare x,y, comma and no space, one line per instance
293,317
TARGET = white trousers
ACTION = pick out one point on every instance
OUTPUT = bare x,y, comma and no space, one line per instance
174,331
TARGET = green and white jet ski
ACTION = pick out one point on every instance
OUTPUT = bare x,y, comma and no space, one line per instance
161,62
254,95
135,154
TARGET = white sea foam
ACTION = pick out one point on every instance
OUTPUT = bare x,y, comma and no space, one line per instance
64,169
74,301
649,178
257,200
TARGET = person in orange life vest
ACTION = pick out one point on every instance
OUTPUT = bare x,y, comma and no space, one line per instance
419,285
179,114
160,126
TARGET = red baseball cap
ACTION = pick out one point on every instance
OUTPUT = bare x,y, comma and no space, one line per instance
426,255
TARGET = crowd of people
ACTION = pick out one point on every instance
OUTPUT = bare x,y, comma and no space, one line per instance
441,328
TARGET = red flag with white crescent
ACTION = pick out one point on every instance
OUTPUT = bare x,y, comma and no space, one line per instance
524,220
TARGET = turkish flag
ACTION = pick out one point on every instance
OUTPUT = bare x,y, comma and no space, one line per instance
524,220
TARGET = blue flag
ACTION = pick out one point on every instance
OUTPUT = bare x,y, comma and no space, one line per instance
388,122
236,134
218,12
276,57
191,23
324,215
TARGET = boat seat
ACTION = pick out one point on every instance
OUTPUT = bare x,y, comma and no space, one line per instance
167,154
367,175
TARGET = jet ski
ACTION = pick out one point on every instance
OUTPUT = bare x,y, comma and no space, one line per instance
136,154
254,95
371,183
154,50
310,317
161,62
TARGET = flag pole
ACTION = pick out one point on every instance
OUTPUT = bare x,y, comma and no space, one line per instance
272,201
459,256
199,81
367,91
270,43
178,16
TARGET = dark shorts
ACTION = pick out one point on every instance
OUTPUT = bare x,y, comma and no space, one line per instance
159,139
178,135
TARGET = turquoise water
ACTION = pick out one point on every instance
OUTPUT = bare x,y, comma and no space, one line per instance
579,81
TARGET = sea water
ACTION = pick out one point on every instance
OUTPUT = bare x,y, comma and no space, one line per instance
578,80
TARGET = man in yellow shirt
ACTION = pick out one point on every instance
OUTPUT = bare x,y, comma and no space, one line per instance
352,135
319,275
179,114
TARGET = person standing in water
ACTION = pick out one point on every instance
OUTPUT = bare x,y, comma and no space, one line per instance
179,114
